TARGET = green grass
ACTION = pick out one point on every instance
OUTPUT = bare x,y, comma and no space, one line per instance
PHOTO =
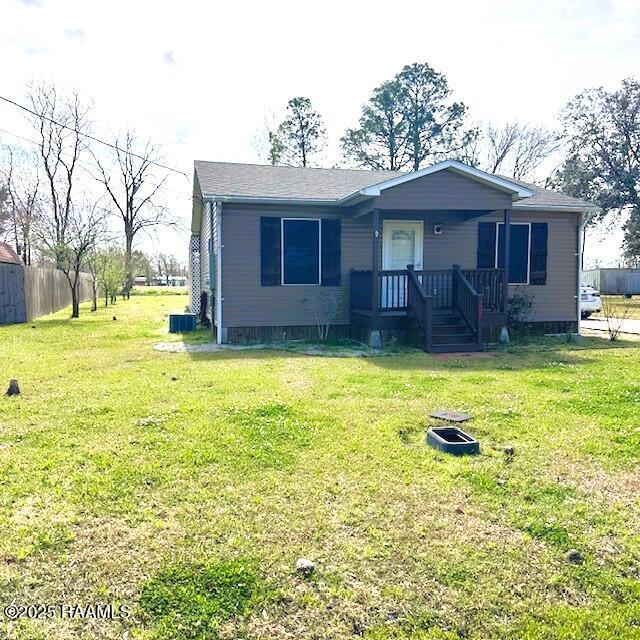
193,602
621,305
159,291
186,485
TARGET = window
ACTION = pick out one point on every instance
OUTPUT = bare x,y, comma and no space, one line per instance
519,250
301,244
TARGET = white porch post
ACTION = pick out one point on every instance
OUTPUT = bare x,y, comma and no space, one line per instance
579,271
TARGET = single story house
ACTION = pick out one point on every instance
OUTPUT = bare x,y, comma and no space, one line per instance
283,252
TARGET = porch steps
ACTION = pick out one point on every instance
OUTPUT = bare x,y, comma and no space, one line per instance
450,333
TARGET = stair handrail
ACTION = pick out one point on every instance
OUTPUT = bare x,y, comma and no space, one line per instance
468,302
420,306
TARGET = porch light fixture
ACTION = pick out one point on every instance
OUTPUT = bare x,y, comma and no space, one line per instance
438,228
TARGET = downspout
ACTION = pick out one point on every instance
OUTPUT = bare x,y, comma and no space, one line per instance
579,271
219,298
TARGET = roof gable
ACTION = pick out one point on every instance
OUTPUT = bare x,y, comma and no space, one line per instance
441,190
517,190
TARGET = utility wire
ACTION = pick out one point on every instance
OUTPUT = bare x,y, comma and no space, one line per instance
161,187
90,137
15,135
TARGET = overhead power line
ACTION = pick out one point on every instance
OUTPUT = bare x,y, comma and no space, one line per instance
90,137
161,187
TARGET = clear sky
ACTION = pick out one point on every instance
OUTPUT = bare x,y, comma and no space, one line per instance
201,77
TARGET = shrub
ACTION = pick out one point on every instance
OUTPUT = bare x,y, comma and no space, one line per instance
520,304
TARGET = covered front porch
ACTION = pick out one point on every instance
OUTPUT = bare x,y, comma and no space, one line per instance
446,309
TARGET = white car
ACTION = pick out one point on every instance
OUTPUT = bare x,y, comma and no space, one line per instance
590,301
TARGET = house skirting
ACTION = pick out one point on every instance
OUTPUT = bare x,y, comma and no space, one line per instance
240,335
390,331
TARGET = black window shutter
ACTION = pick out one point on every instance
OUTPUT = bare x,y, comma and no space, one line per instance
538,257
270,252
486,245
331,252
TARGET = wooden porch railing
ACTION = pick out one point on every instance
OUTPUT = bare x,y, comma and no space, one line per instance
468,302
489,283
361,293
393,288
420,306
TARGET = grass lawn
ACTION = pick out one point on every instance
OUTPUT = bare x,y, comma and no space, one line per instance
186,485
630,306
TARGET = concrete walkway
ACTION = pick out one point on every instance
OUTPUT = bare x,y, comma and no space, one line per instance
600,324
308,350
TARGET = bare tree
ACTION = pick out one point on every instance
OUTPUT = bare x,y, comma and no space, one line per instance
500,142
518,149
615,315
23,184
167,265
134,191
325,308
266,143
4,215
534,146
60,123
85,225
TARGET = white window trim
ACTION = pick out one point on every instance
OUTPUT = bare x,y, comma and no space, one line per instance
301,284
516,224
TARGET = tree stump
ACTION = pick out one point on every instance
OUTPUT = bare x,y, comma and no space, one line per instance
14,388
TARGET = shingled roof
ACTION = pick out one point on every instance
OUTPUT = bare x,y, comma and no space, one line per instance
228,180
7,254
547,198
291,183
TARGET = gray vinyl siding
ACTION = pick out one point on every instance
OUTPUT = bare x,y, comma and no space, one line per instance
557,300
443,197
247,303
443,190
458,244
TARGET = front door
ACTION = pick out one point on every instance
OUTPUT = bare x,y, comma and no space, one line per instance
401,246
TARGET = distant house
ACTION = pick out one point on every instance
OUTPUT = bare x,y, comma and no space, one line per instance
8,255
275,251
175,281
169,281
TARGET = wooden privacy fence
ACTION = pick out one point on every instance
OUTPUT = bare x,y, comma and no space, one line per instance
29,292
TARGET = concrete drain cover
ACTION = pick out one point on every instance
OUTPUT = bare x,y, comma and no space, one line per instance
451,416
